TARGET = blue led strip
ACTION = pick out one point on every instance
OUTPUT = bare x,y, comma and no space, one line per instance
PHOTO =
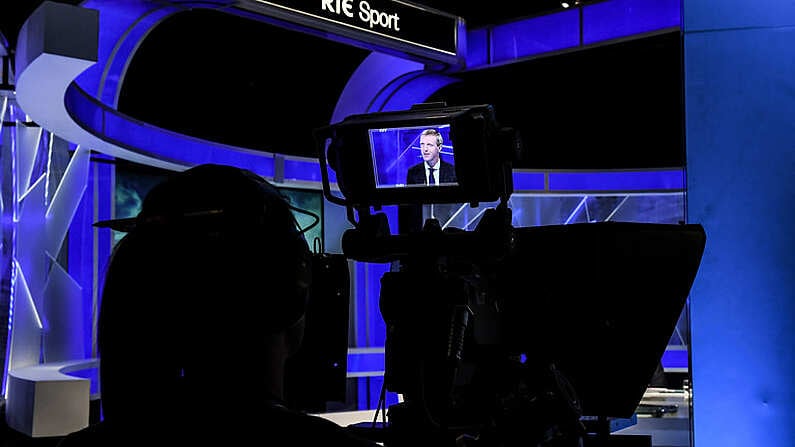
308,170
302,169
664,180
528,181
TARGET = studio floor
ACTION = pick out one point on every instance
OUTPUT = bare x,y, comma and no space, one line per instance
665,416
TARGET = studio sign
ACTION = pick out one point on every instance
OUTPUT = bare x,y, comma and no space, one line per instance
367,14
402,22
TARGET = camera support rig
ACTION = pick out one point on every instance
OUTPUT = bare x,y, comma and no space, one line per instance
444,349
503,336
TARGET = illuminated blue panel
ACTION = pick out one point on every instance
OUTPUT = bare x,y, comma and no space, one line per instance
536,35
79,253
305,170
740,159
477,47
528,181
675,358
365,362
391,213
621,18
617,181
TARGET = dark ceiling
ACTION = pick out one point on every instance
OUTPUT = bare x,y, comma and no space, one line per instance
256,85
15,12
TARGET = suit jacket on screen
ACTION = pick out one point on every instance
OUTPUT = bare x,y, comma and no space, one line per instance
416,173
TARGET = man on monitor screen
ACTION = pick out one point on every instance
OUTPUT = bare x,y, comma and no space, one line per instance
432,170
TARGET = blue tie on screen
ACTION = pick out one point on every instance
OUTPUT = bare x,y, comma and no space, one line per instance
431,178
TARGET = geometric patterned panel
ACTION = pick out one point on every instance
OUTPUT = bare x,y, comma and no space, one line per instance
30,240
63,317
66,199
26,335
50,306
28,139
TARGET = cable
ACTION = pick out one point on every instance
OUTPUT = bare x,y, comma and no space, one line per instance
306,213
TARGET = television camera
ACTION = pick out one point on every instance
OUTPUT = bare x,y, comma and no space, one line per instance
503,335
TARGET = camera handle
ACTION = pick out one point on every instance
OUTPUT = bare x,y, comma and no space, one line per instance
371,241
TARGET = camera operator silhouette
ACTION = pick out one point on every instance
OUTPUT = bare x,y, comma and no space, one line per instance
203,303
432,170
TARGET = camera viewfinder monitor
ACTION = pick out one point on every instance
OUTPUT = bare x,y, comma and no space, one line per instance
383,158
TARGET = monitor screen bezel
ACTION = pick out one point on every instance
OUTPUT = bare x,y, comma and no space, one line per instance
345,148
